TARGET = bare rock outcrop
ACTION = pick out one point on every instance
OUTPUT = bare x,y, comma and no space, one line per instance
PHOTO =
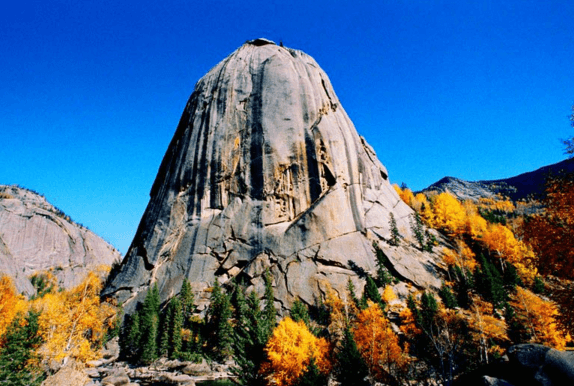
35,236
267,171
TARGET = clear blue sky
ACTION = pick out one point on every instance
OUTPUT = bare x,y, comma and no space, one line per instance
91,91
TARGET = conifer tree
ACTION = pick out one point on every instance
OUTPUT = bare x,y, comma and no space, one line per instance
383,275
371,293
352,294
418,229
447,296
351,367
18,352
149,322
165,331
312,376
269,311
176,316
489,283
187,301
395,235
219,323
299,312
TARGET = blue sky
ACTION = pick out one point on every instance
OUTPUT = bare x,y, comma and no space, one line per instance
91,91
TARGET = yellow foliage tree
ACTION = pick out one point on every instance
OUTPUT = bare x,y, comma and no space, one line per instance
73,322
485,328
289,352
11,303
448,214
378,344
539,317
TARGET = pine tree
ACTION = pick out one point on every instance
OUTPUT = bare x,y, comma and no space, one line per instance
17,354
351,368
299,312
383,275
165,334
447,296
352,294
219,323
418,229
395,235
371,293
149,322
489,283
187,301
175,328
130,337
312,376
269,311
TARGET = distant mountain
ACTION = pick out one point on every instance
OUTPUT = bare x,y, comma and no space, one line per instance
36,236
530,184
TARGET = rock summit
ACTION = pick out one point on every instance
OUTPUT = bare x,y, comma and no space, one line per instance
267,172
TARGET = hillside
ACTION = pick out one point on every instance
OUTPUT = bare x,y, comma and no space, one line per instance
35,236
520,187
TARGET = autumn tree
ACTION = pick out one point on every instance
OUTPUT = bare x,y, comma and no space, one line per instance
551,233
73,323
534,320
290,351
378,344
11,303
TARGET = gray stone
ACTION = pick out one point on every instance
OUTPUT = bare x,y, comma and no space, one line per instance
267,172
35,236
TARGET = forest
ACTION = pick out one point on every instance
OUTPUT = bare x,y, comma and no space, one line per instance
508,271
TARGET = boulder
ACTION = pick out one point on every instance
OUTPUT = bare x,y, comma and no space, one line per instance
266,171
36,236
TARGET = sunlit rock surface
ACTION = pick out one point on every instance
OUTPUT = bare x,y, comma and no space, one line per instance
35,236
267,171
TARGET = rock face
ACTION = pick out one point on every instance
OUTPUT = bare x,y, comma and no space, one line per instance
36,236
266,171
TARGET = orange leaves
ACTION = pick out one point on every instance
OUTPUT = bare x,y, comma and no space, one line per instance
290,350
10,303
539,318
73,322
378,344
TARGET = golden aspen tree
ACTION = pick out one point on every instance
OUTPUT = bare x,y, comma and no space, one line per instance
538,317
448,214
73,322
485,328
11,303
289,352
378,344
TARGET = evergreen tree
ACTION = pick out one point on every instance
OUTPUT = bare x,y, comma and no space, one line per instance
489,283
371,293
511,278
352,294
418,229
538,287
383,275
130,337
395,235
447,296
165,334
149,325
269,311
176,316
299,312
430,241
351,368
17,354
219,323
429,310
187,301
312,376
463,286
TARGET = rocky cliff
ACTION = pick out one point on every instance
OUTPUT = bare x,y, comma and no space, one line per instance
267,171
36,236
